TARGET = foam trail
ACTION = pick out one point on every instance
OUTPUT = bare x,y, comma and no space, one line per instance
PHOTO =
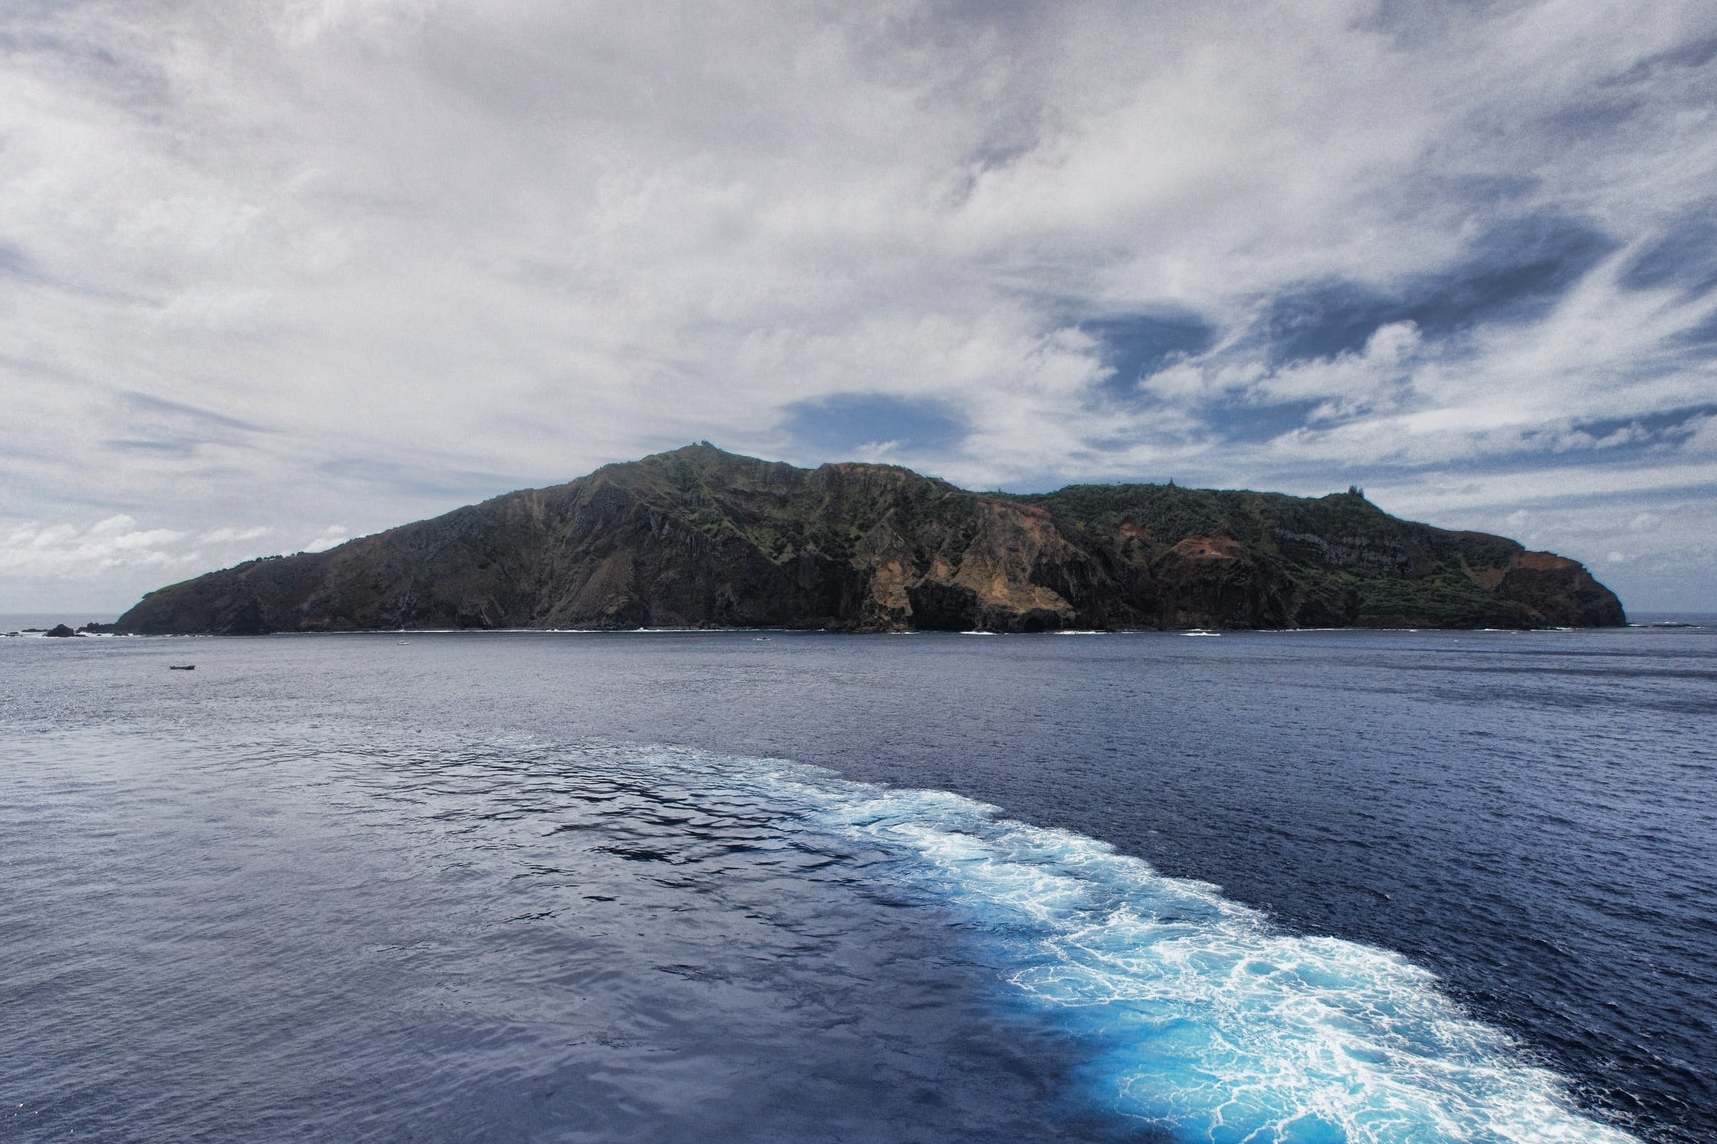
1205,1019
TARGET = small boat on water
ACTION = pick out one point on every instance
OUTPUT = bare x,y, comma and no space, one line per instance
181,667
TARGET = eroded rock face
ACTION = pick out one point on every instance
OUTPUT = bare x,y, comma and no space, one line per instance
703,538
1554,586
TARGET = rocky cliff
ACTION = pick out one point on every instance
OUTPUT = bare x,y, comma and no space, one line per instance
702,538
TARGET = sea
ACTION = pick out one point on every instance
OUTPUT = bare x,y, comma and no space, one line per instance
1308,887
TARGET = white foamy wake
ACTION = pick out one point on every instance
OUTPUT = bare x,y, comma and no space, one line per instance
1203,1017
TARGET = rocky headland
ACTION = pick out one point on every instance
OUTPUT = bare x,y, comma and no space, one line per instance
699,537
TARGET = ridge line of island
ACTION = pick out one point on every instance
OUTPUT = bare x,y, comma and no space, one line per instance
699,538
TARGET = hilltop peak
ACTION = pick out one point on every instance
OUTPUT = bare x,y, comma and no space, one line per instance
701,537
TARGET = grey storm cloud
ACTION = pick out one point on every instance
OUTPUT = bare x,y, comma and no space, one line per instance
285,263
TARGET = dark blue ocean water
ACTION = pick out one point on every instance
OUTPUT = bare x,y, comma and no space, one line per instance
707,887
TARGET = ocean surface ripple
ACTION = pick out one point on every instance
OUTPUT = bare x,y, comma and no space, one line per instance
1290,888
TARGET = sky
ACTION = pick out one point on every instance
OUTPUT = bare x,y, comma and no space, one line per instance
276,273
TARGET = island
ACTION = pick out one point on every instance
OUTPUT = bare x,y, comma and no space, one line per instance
702,538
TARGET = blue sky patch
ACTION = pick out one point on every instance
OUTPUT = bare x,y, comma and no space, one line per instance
1138,345
1685,257
833,427
1242,421
1702,336
1514,272
1656,424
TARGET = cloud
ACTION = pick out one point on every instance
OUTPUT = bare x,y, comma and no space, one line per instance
106,564
291,262
1373,376
65,550
231,535
329,537
1701,435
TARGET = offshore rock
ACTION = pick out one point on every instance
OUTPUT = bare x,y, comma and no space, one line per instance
699,537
